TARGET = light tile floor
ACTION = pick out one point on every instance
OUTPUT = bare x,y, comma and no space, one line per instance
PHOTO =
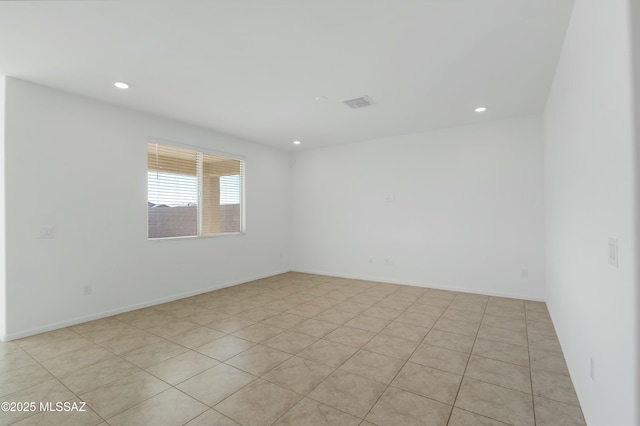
300,349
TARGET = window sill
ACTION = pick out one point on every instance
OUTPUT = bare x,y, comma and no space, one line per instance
199,237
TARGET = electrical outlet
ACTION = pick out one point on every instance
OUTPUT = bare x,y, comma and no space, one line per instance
87,290
388,261
524,274
613,252
371,260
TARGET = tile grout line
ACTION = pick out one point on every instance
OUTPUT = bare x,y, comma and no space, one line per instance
526,331
475,338
501,386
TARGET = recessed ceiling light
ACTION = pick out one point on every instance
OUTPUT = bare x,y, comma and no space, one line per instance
121,85
297,142
481,109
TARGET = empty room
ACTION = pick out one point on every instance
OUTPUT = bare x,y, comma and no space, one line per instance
302,212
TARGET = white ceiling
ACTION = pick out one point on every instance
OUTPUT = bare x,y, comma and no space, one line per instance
253,68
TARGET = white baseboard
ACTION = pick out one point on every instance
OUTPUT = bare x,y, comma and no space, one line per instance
111,312
116,311
423,284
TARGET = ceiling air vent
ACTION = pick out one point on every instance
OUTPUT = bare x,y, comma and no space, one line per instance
362,102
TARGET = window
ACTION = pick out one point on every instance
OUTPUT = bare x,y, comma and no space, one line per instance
192,193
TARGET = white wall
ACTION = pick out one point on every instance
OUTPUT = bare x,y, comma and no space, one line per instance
80,166
465,211
635,27
589,197
2,219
